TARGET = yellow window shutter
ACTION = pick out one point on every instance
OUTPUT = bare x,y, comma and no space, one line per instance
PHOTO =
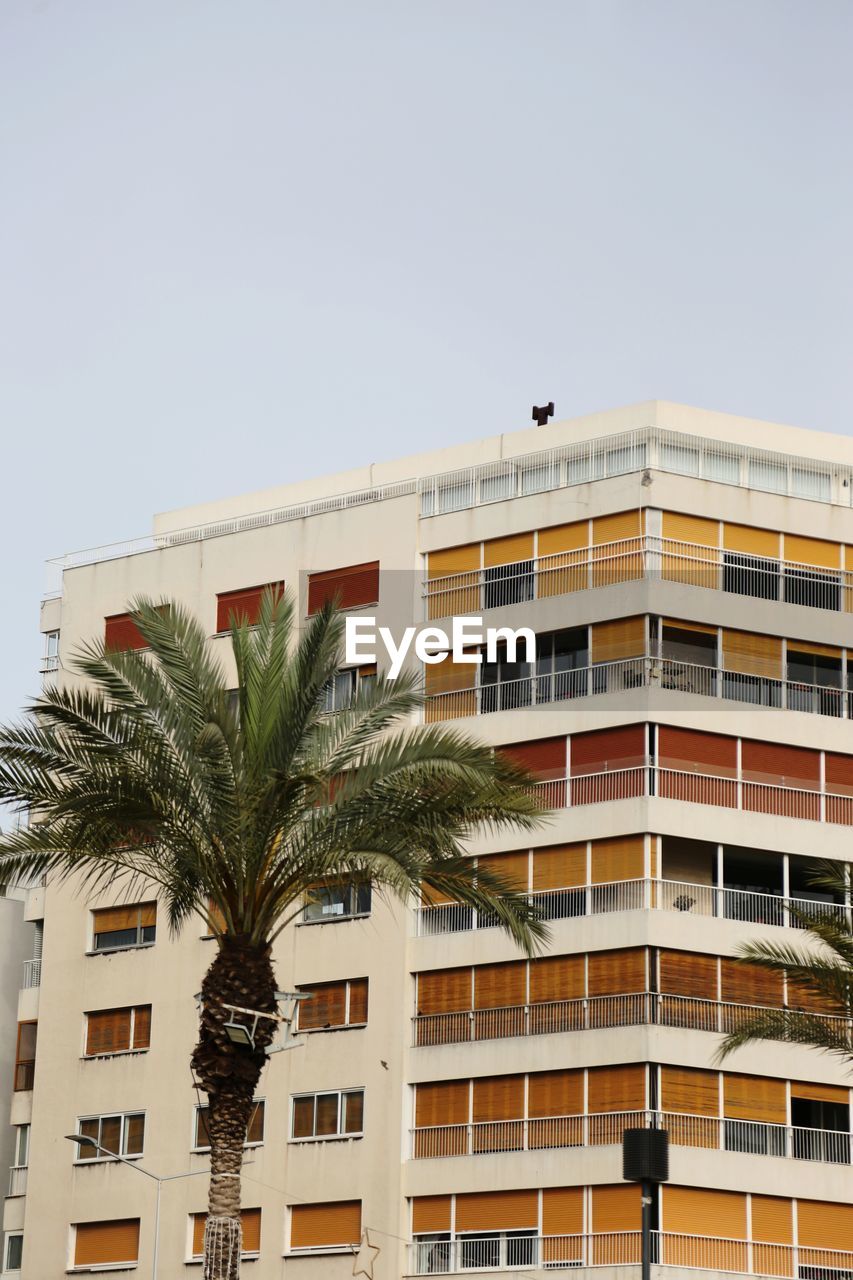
251,1219
498,1098
617,527
820,1092
555,1093
497,1210
617,972
695,529
111,919
688,973
700,1212
512,866
752,654
751,542
754,1098
621,638
429,1214
556,978
827,1225
199,1220
772,1219
701,627
453,560
621,858
812,551
450,677
805,646
497,551
99,1243
616,1208
315,1225
563,537
562,1211
616,1088
690,1091
559,867
444,990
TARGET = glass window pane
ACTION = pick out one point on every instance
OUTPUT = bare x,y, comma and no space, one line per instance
89,1129
22,1144
303,1117
255,1130
327,1114
111,1133
202,1137
134,1135
353,1112
14,1253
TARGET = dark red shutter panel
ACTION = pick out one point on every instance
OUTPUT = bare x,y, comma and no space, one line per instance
688,749
839,774
356,585
242,604
606,749
777,763
121,632
544,757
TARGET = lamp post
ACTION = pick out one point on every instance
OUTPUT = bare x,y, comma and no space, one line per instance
645,1159
83,1141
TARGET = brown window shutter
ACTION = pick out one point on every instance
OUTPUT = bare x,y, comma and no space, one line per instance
700,1212
621,638
451,677
560,866
690,749
563,537
498,1098
358,584
696,529
513,867
444,991
497,1210
544,758
618,859
555,1093
326,1008
754,1098
747,984
148,914
445,1102
820,1092
778,763
142,1027
498,986
357,1001
199,1219
557,978
562,1211
616,1088
510,550
688,973
829,1226
615,528
255,1128
111,919
108,1031
122,633
243,606
812,551
616,1208
751,542
839,773
606,749
690,1091
617,972
316,1225
251,1219
429,1214
751,654
99,1243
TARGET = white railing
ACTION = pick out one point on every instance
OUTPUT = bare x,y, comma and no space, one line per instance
650,447
640,1008
606,1128
32,973
18,1180
631,559
628,674
637,895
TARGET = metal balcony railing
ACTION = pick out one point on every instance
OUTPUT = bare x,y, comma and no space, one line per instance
32,973
18,1180
629,674
632,1009
632,559
606,1129
638,895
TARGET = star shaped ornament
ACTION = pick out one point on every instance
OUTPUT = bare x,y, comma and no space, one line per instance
362,1263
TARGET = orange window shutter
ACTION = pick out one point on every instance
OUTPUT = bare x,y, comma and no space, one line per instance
544,757
555,1093
497,1210
100,1243
699,1212
430,1214
111,919
316,1225
453,560
450,677
498,986
621,638
444,991
562,1211
688,973
693,750
827,1225
618,859
498,1098
745,540
748,653
121,633
445,1102
812,551
772,1219
326,1006
557,978
820,1092
689,1091
148,914
616,1208
357,1001
563,537
805,646
108,1031
518,546
199,1219
251,1219
695,529
617,972
142,1027
754,1098
743,983
615,528
616,1088
355,585
561,866
513,867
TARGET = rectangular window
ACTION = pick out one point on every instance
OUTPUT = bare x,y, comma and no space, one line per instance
329,902
25,1057
116,928
254,1129
101,1244
118,1030
122,1134
14,1252
121,633
251,1223
243,606
327,1115
325,1226
50,660
349,588
341,690
334,1004
21,1146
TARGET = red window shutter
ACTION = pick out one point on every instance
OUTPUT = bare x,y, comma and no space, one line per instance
839,774
778,763
688,749
606,749
121,632
243,605
356,585
544,757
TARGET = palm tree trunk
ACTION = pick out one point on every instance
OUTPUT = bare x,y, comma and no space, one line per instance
241,975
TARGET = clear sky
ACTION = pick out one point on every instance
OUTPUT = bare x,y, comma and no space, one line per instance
246,241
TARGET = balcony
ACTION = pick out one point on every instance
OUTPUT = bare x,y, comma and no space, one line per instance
632,559
522,1250
605,1129
631,1009
638,895
32,974
18,1180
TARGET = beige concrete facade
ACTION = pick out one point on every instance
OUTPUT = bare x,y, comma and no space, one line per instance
199,552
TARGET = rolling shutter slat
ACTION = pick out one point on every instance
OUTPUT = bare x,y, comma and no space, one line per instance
559,867
812,551
441,564
754,1098
445,1102
695,529
497,1210
562,1211
327,1006
355,585
820,1092
555,1093
778,763
557,978
688,973
620,1088
748,984
121,633
509,550
700,1212
617,972
621,638
605,749
444,991
498,986
618,859
690,1091
314,1225
563,537
498,1098
100,1243
705,752
827,1225
617,527
751,654
543,757
243,606
513,867
429,1214
752,542
357,1001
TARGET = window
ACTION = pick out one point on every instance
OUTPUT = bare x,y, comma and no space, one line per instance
118,1030
21,1146
254,1129
344,685
327,902
251,1222
121,632
117,928
349,588
334,1004
755,576
328,1115
14,1252
102,1244
50,661
25,1057
122,1134
507,584
325,1226
243,606
813,588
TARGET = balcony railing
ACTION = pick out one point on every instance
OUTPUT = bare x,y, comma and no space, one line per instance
32,973
25,1073
638,895
632,559
630,674
605,1129
18,1180
520,1250
632,1009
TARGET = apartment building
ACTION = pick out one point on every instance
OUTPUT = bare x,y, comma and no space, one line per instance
20,944
689,577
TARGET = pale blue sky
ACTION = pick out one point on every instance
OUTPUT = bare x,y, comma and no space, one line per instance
245,241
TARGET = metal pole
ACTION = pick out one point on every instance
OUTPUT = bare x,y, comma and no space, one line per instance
647,1231
157,1230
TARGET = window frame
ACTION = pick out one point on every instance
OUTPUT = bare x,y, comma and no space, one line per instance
25,1062
346,1025
123,1154
340,1135
21,1135
139,945
78,1268
204,1106
8,1237
115,1053
352,889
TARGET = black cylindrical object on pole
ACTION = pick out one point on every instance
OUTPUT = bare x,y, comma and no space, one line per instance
645,1155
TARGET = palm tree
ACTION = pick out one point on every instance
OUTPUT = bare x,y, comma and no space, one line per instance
819,977
152,771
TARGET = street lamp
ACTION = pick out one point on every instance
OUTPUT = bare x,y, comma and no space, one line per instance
83,1141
